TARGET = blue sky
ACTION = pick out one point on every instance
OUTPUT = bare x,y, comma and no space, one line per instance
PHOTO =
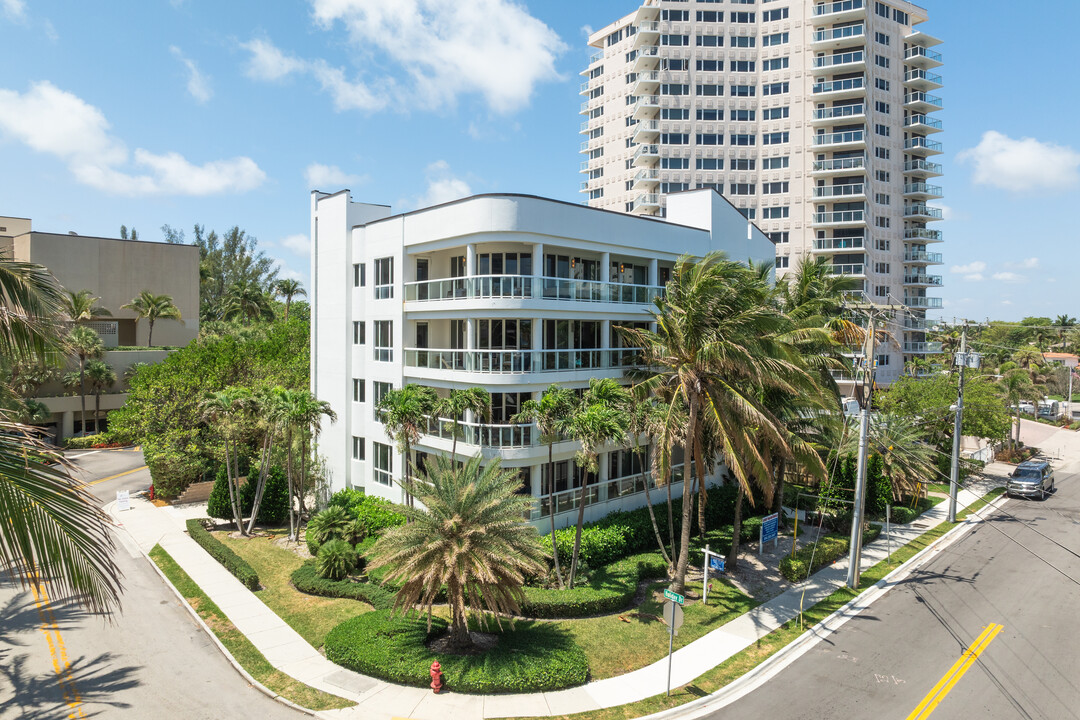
190,111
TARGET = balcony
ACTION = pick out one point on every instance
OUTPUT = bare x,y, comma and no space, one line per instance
646,83
838,166
922,168
841,11
922,123
648,58
920,79
923,280
646,204
584,167
921,57
646,179
647,12
840,218
855,270
832,245
839,89
922,102
529,287
921,213
603,491
841,62
923,348
852,191
517,362
483,434
921,234
921,146
836,38
921,257
842,113
922,191
647,155
648,34
850,140
647,106
918,324
646,131
928,303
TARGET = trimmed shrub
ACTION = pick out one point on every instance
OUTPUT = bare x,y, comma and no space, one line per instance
829,548
218,506
377,514
534,657
86,441
220,552
336,559
306,579
611,588
347,498
903,514
274,508
328,525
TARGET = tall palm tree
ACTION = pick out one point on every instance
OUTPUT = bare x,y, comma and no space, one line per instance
646,418
1015,385
555,403
311,413
468,537
474,400
102,377
153,308
1064,323
270,407
86,345
404,413
288,289
53,535
293,416
82,305
228,410
907,460
602,417
248,301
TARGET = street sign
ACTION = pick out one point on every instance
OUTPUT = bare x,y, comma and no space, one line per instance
673,615
770,530
674,596
716,563
123,500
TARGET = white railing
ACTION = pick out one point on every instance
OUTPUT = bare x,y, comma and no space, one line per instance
602,491
848,243
841,216
844,111
521,361
530,287
832,191
484,434
855,163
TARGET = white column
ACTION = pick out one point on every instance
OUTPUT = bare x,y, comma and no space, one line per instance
605,334
67,424
470,334
653,271
538,259
602,476
470,259
537,343
605,267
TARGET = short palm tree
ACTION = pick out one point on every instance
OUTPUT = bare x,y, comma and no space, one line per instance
469,538
101,377
86,345
453,407
907,460
288,289
153,308
404,413
1015,385
247,301
309,417
82,305
1064,323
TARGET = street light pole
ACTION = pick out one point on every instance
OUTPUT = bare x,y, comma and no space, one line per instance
954,473
855,552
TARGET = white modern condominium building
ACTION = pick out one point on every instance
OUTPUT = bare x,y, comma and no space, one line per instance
814,118
507,292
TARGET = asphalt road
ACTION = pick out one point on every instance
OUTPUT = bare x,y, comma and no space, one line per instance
885,662
151,661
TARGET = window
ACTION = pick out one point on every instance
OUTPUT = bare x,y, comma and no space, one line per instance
742,66
675,113
675,138
778,113
674,163
710,41
881,84
378,392
774,188
596,194
882,222
881,61
881,107
674,89
613,38
882,153
710,139
384,278
882,360
742,189
775,138
359,332
882,9
709,90
676,15
774,15
743,115
775,39
358,448
882,198
384,338
882,130
382,470
744,140
710,16
675,40
673,64
779,237
775,64
743,90
359,394
748,213
740,41
359,275
775,213
776,163
710,163
882,244
782,261
743,163
742,17
881,291
882,268
900,16
673,187
882,175
775,88
708,114
710,65
882,39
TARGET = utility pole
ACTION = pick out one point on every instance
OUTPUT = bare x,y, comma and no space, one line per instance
855,552
954,474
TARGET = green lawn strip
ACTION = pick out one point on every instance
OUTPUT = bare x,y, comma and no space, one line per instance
743,662
311,616
239,646
980,503
938,487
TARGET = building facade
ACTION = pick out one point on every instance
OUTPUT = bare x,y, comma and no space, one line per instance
507,292
814,118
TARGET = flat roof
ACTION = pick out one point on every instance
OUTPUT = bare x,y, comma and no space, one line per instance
99,237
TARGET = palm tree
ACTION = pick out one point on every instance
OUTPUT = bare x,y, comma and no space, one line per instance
468,537
310,415
86,344
473,400
227,410
404,413
646,420
53,535
270,405
133,370
102,377
288,289
555,403
1015,385
153,308
246,300
1064,323
82,305
907,460
293,412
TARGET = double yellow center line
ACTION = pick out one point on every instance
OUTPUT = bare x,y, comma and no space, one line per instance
58,653
946,683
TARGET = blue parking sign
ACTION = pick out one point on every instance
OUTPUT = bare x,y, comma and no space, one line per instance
716,563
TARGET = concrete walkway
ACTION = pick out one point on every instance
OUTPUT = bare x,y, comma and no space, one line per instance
149,525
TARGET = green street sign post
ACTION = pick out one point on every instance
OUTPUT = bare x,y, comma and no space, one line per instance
673,616
671,595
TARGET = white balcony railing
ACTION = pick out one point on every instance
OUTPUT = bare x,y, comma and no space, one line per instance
510,362
530,287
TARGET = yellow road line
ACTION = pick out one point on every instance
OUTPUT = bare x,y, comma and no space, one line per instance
58,653
946,683
113,477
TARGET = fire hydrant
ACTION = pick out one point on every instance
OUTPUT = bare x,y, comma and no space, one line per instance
436,677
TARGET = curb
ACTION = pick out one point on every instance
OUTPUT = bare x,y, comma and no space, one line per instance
772,666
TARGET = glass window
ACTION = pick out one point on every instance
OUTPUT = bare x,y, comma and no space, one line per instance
359,271
384,337
359,393
358,448
378,392
359,332
384,278
383,467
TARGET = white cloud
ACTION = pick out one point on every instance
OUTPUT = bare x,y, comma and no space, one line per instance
284,271
1030,263
299,244
947,212
1022,165
449,48
319,176
14,9
1006,302
1009,277
269,63
61,124
972,272
198,85
442,185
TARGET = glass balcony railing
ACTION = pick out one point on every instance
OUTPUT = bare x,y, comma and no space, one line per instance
597,492
839,217
917,51
844,111
855,163
923,234
830,86
835,191
847,243
920,256
922,211
530,287
922,75
837,7
840,138
510,362
922,189
922,348
923,98
930,303
848,58
840,33
849,269
922,120
917,143
922,279
482,434
926,166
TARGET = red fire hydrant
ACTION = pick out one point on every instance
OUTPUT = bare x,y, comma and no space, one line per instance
436,677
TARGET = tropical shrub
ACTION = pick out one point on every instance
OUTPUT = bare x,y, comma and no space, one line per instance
378,515
336,559
307,579
220,552
328,525
609,588
809,559
218,504
347,498
87,441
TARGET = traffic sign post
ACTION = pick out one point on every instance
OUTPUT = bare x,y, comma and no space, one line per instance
673,616
770,530
674,596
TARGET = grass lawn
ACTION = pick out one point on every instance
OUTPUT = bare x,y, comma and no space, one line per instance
308,615
980,503
938,487
241,648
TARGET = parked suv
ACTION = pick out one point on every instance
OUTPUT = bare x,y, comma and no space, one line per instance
1031,478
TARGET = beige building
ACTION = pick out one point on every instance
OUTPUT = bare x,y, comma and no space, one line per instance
815,119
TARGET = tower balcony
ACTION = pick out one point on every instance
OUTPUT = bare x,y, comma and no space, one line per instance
839,218
647,156
828,246
919,145
921,234
920,57
648,34
841,11
648,58
646,179
919,79
922,123
646,131
922,168
921,257
849,192
922,280
926,303
646,83
841,37
922,102
854,61
856,270
922,213
646,204
923,348
840,114
922,191
839,89
647,106
848,140
838,166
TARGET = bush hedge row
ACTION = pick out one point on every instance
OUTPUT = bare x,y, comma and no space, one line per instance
902,514
220,552
610,588
533,657
829,548
306,579
86,441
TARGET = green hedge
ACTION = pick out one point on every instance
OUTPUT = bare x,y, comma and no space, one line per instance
533,657
86,441
611,588
218,550
306,579
903,514
829,548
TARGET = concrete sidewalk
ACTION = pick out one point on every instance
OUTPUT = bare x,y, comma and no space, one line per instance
149,525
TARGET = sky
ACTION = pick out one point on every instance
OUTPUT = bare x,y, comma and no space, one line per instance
155,112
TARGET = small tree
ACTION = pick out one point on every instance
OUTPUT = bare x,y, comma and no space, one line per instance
475,400
102,378
288,289
404,414
227,410
153,308
82,305
86,345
